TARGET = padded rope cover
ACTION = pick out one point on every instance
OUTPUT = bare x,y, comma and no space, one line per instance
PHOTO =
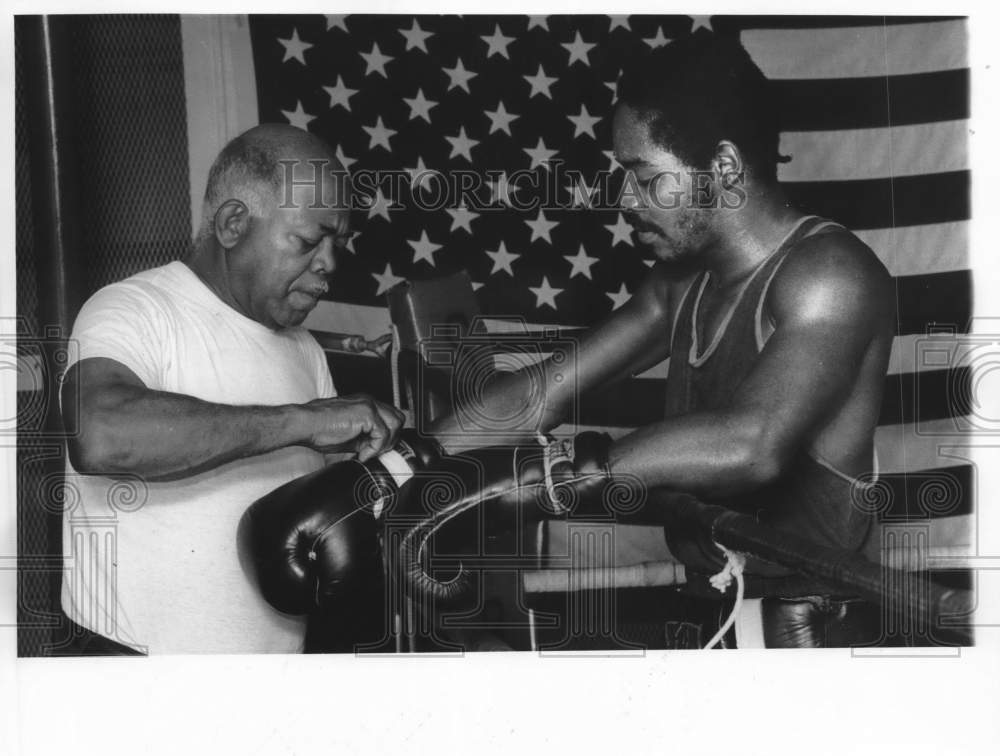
845,570
461,484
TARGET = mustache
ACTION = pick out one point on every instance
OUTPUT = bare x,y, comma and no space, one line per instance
318,290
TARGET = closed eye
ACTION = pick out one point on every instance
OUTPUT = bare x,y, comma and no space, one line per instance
341,240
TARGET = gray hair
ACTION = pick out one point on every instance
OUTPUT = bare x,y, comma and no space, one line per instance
247,170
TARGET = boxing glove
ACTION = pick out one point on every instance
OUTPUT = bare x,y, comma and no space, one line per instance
315,538
561,478
820,622
566,477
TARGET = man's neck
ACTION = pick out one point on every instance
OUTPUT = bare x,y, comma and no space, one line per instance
748,237
209,264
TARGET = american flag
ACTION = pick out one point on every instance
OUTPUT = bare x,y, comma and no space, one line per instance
873,111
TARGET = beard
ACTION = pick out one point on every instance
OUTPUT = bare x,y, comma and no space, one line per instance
682,242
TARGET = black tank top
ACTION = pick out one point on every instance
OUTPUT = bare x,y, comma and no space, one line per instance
811,499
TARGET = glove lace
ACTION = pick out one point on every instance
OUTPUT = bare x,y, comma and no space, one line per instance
733,569
554,452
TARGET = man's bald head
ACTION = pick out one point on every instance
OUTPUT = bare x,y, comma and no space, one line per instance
252,168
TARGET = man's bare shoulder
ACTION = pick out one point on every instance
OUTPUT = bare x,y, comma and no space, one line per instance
833,275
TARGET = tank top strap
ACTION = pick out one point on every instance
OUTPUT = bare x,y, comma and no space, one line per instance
810,226
681,311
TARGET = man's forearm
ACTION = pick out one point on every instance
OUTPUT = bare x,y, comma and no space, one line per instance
161,435
512,410
710,453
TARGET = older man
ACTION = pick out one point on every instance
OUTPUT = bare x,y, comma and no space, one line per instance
197,391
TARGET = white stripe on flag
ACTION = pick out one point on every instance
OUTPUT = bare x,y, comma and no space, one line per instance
918,250
855,154
859,51
901,448
953,531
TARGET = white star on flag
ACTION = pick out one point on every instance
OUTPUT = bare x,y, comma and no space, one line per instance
420,106
376,61
344,66
420,176
701,22
459,76
621,231
416,38
618,298
298,117
461,217
344,160
540,83
578,50
498,43
461,145
658,41
501,189
540,155
582,194
423,249
338,21
545,294
581,263
386,280
379,206
340,94
294,47
379,135
500,119
502,260
584,123
541,227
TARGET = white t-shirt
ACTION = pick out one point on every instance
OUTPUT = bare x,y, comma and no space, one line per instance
154,565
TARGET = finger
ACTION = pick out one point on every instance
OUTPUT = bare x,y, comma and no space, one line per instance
393,419
366,451
381,433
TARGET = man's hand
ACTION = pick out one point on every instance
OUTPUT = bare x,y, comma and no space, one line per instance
357,424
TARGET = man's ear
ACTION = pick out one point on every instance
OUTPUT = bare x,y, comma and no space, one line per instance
727,164
232,220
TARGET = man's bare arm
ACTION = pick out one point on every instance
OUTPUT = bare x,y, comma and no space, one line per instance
633,338
116,425
829,303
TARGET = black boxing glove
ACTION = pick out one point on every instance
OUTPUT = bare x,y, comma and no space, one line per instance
820,622
565,477
314,538
557,479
